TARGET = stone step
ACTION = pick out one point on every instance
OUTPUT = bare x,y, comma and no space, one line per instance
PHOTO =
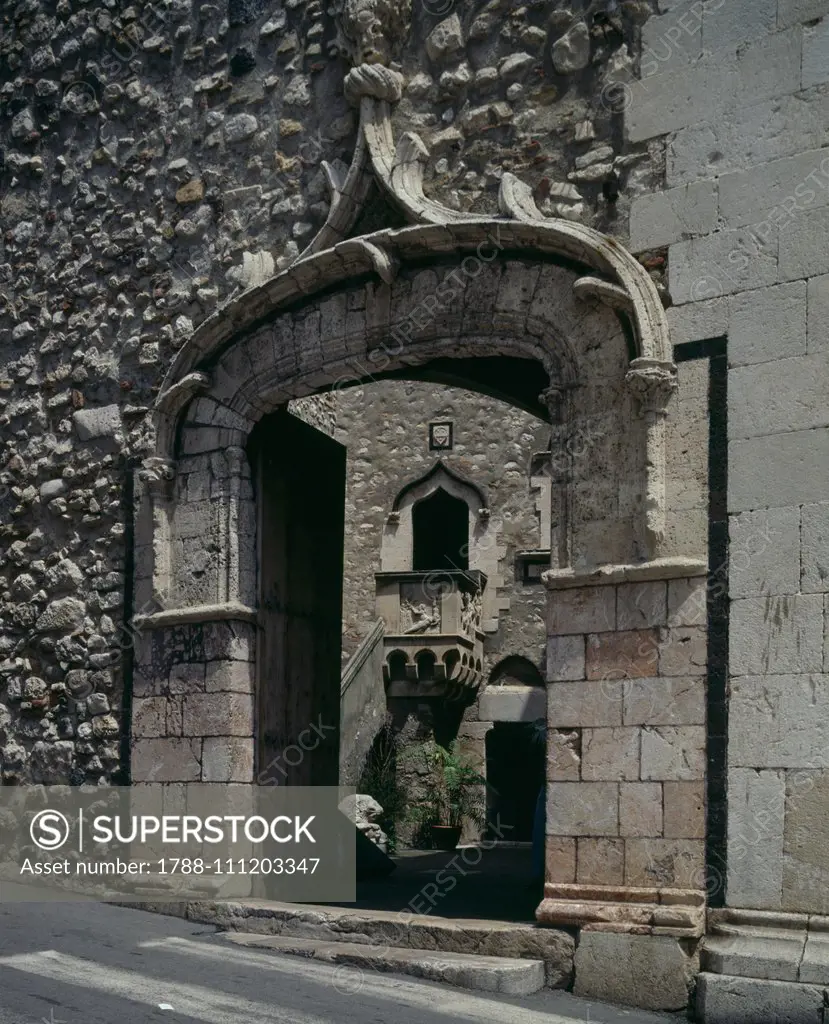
770,957
555,947
725,999
507,976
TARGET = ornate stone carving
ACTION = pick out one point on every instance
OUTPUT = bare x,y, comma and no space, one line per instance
374,29
471,609
374,81
419,618
157,473
652,382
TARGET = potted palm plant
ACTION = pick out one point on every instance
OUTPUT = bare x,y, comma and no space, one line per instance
454,795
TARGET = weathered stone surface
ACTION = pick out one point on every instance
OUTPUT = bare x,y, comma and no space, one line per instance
764,555
572,51
661,863
560,859
589,610
600,861
572,705
684,810
777,634
622,655
814,537
767,324
65,614
218,715
652,972
582,809
640,809
806,843
91,424
780,724
665,701
790,388
755,837
445,38
565,658
564,755
166,760
640,605
609,754
673,753
671,216
683,651
687,602
767,471
724,999
226,759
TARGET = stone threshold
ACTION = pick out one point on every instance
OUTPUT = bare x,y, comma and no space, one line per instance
639,572
628,909
514,977
382,928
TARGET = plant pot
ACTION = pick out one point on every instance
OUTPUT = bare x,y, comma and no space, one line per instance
445,837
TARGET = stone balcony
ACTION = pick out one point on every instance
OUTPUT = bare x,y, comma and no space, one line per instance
434,641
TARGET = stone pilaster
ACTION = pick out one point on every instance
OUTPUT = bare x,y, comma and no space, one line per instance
626,748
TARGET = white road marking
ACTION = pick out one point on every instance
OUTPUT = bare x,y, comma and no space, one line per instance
196,1001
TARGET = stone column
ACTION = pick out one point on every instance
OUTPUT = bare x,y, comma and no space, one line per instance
626,741
652,383
555,398
158,477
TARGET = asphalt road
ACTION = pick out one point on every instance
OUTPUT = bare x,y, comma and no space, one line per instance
87,963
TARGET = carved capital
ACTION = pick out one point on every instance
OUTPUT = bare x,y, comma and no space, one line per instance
553,398
157,474
235,460
652,382
374,80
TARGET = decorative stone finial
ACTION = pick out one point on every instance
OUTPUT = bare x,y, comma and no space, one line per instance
374,29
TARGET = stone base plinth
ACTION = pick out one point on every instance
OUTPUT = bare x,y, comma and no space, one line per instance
652,972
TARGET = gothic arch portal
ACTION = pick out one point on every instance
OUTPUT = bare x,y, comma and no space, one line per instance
563,296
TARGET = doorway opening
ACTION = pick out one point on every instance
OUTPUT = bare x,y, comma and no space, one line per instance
515,760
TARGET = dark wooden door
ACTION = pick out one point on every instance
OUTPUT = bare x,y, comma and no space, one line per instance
301,492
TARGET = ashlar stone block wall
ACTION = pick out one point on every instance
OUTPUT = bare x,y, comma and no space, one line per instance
626,706
740,105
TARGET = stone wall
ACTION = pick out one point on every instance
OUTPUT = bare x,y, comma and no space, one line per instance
385,426
158,160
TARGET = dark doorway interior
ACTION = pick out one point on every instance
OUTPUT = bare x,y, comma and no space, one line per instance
515,773
301,484
440,528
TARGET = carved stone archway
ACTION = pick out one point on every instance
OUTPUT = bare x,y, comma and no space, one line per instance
450,286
